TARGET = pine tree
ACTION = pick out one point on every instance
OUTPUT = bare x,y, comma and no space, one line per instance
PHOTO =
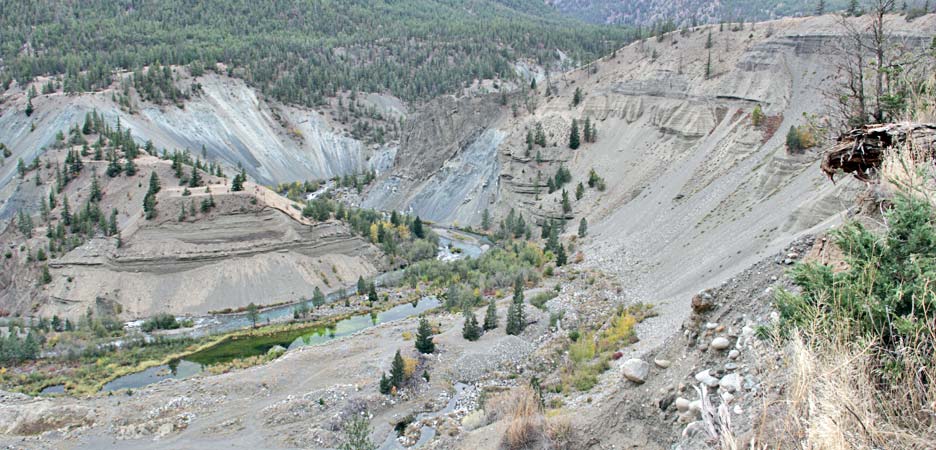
471,331
424,337
490,316
195,179
238,183
361,286
253,314
566,204
45,277
112,223
113,167
552,238
793,139
708,66
486,219
372,294
853,8
516,318
417,228
154,185
397,373
66,214
579,191
574,139
96,194
540,135
318,298
561,256
29,107
577,97
25,223
86,128
587,129
385,384
583,228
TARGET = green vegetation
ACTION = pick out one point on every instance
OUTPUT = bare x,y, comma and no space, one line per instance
590,131
496,268
164,322
298,51
403,238
590,353
424,337
516,317
539,300
885,296
490,316
356,434
15,348
471,330
575,139
800,138
689,13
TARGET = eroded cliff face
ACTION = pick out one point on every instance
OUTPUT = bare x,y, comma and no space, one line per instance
696,191
253,246
447,168
234,124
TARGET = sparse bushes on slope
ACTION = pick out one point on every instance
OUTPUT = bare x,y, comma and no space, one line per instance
863,338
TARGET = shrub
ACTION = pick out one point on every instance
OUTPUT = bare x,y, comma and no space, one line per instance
886,293
161,321
539,300
409,367
583,349
800,138
620,331
757,116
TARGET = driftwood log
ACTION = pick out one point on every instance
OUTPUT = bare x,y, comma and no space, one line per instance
861,151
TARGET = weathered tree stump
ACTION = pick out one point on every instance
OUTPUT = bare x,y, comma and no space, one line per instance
861,151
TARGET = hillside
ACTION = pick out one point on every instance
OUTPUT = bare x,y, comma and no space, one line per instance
227,122
684,12
297,51
250,246
642,251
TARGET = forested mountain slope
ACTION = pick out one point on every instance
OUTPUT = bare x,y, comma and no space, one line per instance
649,12
298,51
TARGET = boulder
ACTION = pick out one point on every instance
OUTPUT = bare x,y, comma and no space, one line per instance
720,343
636,370
706,378
702,303
730,382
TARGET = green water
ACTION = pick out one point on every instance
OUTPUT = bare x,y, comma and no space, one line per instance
247,346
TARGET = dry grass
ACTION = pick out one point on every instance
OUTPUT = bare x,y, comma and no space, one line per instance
520,410
911,171
836,401
559,430
922,106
